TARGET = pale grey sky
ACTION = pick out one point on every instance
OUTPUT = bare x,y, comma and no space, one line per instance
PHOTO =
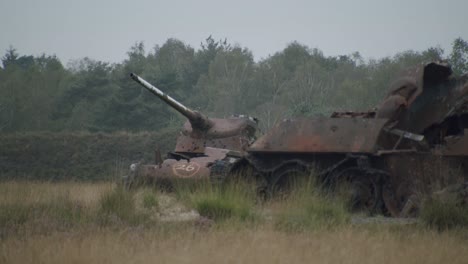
106,29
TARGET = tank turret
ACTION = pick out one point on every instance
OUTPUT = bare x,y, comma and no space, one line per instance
234,133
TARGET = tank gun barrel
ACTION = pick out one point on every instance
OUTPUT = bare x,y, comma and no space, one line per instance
197,120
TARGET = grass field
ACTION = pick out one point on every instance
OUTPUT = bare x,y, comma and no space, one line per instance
101,223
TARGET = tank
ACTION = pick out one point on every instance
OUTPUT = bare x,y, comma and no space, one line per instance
413,143
203,148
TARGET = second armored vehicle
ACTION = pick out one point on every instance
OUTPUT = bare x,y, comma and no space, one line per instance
414,143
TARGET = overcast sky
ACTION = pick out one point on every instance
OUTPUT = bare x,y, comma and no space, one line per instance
105,30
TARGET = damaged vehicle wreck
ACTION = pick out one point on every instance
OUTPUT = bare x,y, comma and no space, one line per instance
414,143
204,145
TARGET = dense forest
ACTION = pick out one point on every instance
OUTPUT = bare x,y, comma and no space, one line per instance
39,93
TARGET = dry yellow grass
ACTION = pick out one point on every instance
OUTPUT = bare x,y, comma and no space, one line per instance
349,245
187,243
23,192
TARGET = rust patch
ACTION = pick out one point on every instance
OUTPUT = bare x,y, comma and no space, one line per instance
309,135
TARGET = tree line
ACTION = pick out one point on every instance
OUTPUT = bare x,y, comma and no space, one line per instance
39,93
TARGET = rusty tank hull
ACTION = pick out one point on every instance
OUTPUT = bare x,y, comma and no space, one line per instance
415,142
178,168
321,135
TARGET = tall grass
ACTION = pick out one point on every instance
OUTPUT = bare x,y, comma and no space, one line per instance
231,200
443,215
87,223
261,245
150,200
118,207
47,207
307,207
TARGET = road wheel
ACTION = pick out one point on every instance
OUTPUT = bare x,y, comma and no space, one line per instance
400,200
286,179
360,187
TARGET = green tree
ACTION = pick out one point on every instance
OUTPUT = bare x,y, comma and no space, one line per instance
226,87
28,88
83,95
459,56
10,57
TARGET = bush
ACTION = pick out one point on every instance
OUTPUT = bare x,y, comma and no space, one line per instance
78,155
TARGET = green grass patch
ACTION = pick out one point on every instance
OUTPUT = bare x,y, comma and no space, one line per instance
220,207
68,212
307,208
318,214
118,205
50,209
14,214
54,214
233,200
444,215
149,200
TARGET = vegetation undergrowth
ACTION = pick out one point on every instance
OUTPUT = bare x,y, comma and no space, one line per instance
150,200
308,208
58,213
46,207
119,205
444,215
231,200
42,208
82,156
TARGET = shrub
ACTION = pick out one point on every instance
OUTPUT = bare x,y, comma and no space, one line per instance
77,155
